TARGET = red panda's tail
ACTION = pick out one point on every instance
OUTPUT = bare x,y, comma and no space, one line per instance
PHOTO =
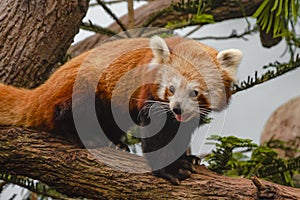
12,101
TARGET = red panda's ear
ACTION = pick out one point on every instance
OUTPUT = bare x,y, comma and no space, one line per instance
230,60
159,49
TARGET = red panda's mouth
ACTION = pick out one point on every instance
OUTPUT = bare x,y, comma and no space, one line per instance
181,118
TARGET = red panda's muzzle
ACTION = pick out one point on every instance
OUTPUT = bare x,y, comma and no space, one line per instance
179,114
182,117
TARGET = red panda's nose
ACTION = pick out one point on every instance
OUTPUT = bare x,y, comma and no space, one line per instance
177,109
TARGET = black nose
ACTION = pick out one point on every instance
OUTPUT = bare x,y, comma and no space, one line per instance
177,109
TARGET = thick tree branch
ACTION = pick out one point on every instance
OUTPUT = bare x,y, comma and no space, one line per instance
78,173
34,37
153,11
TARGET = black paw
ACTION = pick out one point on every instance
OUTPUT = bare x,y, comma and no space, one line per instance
119,146
195,160
177,171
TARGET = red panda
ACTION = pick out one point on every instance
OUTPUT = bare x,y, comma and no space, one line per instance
166,86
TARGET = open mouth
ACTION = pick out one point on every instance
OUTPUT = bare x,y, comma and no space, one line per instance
181,117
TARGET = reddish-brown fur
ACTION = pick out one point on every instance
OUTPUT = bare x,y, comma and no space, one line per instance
35,108
119,76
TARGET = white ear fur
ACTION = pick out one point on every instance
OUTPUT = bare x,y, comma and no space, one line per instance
229,60
160,49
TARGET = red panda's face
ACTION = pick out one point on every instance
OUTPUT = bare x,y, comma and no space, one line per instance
194,79
185,97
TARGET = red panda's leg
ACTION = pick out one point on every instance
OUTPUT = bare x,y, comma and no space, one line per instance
195,160
168,145
109,125
62,111
77,125
64,123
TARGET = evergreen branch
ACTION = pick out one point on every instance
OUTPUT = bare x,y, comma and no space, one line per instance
97,29
33,186
219,159
264,161
273,169
279,69
232,35
285,146
195,12
109,11
191,21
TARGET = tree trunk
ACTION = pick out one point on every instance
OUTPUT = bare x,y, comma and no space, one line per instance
34,37
77,173
284,125
221,12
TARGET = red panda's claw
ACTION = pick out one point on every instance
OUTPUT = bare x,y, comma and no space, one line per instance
162,173
177,171
195,160
119,146
122,147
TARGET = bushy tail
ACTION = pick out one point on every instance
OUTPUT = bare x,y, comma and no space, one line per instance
12,101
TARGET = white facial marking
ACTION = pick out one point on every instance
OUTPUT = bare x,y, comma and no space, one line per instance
181,96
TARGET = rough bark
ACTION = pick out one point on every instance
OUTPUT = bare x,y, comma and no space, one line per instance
76,172
34,36
141,16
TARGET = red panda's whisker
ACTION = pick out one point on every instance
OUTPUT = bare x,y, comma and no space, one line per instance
204,109
150,104
201,112
161,106
159,102
160,112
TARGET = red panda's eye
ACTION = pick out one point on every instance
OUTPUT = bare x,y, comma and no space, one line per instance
172,89
194,93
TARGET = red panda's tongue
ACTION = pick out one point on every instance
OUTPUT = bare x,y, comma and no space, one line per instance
179,118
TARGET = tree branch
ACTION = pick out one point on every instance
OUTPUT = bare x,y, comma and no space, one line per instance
109,11
77,173
159,13
279,69
130,8
232,35
97,29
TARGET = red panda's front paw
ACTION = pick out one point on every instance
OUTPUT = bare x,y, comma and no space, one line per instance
119,146
177,171
195,160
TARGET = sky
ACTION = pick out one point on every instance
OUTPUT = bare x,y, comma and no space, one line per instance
249,110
